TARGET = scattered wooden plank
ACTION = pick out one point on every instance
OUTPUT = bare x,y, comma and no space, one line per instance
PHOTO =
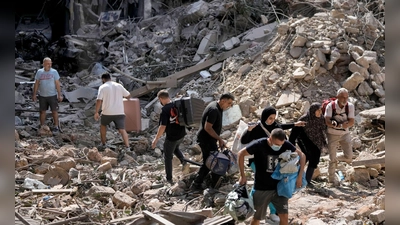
368,162
53,211
379,154
172,80
77,218
22,219
218,220
205,212
126,218
39,191
157,218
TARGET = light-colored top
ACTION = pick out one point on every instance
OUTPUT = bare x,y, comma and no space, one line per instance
340,116
47,79
112,94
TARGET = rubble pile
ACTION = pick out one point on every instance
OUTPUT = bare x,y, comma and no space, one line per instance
288,64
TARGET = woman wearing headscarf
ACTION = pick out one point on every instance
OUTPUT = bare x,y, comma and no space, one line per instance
262,129
311,137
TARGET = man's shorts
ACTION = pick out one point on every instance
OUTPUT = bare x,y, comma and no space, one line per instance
261,199
45,102
119,120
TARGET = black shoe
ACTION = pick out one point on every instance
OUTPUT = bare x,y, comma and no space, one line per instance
101,147
171,182
183,162
196,187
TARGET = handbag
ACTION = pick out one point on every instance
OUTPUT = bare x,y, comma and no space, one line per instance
218,163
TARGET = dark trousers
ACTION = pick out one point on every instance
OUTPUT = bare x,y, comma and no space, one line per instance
171,148
206,148
313,154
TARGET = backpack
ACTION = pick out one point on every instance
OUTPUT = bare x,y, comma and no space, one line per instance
325,103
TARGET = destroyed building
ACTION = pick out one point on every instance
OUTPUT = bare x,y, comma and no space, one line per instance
286,54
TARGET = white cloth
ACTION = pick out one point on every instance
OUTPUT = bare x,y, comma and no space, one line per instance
112,94
340,117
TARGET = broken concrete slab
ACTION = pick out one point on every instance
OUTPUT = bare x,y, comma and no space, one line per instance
215,68
295,52
375,113
353,81
232,115
19,98
209,40
299,73
195,11
287,98
83,93
122,200
260,34
231,43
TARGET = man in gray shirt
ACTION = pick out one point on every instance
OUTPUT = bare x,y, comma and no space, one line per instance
47,81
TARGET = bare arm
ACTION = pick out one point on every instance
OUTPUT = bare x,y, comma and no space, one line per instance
98,105
241,154
35,88
349,123
58,87
128,96
210,130
160,132
302,164
328,122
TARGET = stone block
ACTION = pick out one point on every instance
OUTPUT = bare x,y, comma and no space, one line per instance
122,200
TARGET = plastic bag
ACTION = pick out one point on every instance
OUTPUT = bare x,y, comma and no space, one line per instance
237,145
287,185
289,162
239,204
233,165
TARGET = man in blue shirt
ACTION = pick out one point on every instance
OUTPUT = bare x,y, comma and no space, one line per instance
47,81
266,152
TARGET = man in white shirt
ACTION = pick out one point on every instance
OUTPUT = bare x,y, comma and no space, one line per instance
339,117
110,98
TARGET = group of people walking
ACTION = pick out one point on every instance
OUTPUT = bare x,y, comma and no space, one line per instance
265,141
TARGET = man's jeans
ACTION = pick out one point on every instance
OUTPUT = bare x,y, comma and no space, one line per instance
171,148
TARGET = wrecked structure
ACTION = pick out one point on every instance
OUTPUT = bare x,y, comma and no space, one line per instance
284,61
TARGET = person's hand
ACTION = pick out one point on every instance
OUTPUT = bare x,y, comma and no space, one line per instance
345,125
60,98
300,123
34,98
242,180
221,143
96,116
251,126
154,143
299,182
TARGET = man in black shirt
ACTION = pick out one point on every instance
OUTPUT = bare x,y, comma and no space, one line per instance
266,152
175,133
208,136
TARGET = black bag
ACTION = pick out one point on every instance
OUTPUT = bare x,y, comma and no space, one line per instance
190,111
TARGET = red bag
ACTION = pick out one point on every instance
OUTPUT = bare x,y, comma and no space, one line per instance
325,102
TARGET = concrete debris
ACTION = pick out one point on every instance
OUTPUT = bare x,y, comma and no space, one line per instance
200,49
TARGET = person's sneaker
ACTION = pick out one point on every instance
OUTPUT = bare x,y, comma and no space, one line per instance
274,217
101,147
55,130
171,182
195,187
